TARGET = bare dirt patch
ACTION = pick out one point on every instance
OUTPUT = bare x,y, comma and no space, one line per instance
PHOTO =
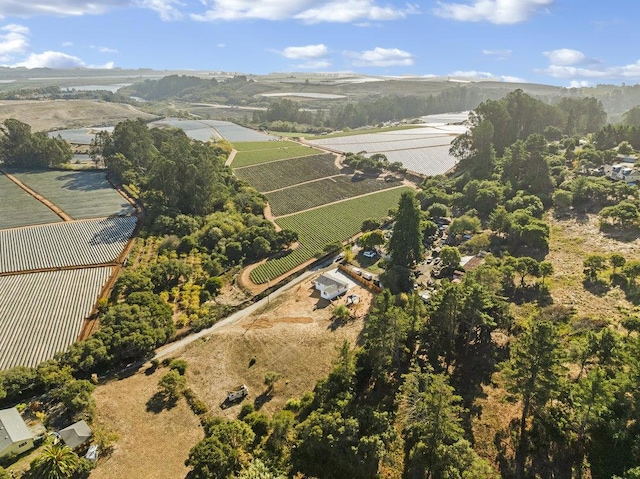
48,115
571,241
150,445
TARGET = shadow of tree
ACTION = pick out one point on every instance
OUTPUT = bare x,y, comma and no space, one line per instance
596,287
160,402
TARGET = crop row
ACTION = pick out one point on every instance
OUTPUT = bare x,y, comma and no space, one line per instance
321,192
322,226
280,174
18,208
76,243
281,151
80,194
42,313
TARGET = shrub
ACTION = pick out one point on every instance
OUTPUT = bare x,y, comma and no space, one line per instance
179,365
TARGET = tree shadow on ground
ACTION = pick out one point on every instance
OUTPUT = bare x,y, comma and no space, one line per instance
262,399
160,402
596,287
622,234
472,371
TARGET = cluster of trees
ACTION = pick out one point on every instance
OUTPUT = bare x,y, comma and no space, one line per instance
21,148
373,164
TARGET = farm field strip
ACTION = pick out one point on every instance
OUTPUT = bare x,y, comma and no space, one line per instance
425,161
18,208
205,130
289,172
428,155
42,313
321,226
80,194
258,145
284,151
377,142
328,190
68,244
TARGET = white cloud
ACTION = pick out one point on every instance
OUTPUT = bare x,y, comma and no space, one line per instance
105,49
167,9
306,52
309,11
500,12
67,44
578,67
497,54
50,59
349,11
13,41
381,57
568,56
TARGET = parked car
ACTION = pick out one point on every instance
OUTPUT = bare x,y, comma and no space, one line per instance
357,271
429,259
367,276
369,254
436,261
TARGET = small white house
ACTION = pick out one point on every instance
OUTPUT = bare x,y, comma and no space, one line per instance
15,437
330,286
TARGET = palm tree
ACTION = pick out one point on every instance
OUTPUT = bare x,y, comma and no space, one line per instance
56,462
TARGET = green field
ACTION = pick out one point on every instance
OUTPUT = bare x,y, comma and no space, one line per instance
80,194
321,192
18,208
253,153
317,228
280,174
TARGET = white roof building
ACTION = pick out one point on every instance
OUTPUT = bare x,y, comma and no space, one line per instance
15,437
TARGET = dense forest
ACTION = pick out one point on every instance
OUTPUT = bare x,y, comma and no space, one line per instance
403,403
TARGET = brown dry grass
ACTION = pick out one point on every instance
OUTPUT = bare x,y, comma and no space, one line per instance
571,241
48,115
292,335
150,445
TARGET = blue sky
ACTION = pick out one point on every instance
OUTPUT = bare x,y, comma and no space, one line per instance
559,42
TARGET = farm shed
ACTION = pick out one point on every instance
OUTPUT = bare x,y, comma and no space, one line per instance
15,437
76,435
330,286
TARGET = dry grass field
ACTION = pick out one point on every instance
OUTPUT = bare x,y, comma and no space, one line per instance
60,114
571,241
293,336
150,445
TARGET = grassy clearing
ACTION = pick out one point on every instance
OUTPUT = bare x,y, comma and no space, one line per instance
263,152
280,174
317,193
153,445
319,227
44,115
290,336
571,241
